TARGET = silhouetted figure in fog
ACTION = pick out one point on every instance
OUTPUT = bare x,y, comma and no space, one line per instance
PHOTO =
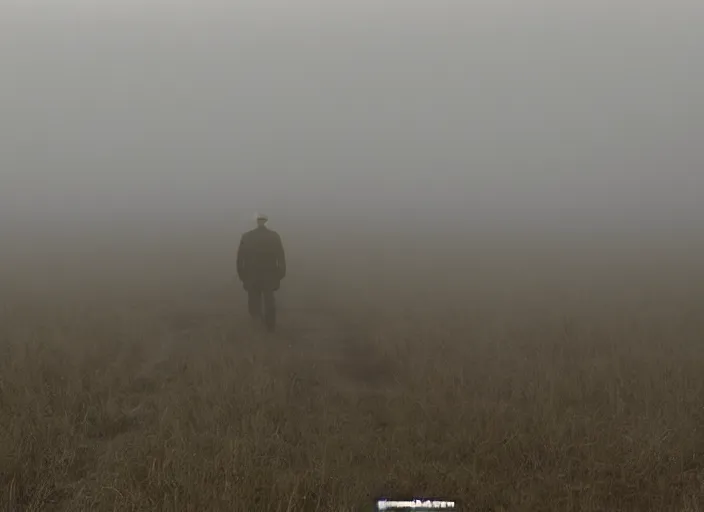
261,265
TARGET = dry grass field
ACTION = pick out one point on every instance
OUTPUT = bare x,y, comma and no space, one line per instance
508,373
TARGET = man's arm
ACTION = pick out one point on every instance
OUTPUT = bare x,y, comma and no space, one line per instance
241,257
281,258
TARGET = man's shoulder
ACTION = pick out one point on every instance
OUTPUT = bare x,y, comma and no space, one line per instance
261,233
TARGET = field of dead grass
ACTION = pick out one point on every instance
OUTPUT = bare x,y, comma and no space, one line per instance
507,375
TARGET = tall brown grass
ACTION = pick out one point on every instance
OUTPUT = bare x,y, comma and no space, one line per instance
532,374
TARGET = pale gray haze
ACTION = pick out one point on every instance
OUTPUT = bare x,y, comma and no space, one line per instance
581,110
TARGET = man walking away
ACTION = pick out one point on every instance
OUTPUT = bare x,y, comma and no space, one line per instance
261,265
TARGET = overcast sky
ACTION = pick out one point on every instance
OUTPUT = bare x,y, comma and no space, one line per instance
486,105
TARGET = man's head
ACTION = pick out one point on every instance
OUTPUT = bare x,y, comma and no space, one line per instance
261,220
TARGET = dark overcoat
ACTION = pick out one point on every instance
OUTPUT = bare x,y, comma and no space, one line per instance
261,262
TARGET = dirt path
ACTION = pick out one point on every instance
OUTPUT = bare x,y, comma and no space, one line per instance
323,338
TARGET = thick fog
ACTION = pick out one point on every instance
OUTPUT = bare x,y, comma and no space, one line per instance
587,111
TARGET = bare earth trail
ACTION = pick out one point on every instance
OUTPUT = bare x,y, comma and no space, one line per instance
342,349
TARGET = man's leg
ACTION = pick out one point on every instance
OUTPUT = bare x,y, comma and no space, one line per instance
254,302
269,309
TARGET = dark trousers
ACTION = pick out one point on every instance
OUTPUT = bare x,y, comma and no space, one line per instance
256,299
